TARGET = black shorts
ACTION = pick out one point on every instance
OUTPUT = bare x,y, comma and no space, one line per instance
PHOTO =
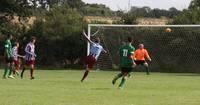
140,62
126,69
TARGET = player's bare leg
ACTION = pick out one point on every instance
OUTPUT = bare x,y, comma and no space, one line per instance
16,72
17,68
147,68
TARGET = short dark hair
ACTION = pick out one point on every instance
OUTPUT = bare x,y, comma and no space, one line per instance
129,39
97,40
33,38
9,35
15,44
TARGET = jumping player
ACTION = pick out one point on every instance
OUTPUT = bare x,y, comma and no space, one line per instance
8,57
95,50
140,57
126,62
30,57
15,58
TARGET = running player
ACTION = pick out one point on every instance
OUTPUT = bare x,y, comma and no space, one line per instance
8,57
95,50
15,58
140,57
30,57
126,62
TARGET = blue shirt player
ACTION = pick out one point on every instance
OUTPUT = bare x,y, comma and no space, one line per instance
95,51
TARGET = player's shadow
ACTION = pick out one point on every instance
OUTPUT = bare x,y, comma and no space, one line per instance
100,88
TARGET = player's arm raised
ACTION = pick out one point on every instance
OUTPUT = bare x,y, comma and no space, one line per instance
87,37
104,50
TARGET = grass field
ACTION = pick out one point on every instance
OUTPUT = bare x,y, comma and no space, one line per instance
64,88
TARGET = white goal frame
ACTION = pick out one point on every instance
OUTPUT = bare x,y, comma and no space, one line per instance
121,25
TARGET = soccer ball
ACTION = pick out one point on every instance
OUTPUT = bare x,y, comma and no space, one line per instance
168,30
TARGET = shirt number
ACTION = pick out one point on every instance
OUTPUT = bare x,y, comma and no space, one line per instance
125,52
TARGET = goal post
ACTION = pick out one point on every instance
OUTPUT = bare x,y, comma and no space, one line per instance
166,48
88,44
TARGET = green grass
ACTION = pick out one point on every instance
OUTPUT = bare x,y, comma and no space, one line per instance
64,88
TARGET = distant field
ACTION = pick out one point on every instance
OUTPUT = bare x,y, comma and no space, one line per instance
64,88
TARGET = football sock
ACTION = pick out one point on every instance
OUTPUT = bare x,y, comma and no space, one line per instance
14,72
122,82
117,76
32,70
147,70
85,75
22,73
5,71
129,75
10,70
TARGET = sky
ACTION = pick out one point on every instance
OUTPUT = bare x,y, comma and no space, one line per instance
161,4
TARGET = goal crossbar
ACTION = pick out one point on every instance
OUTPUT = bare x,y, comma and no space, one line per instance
122,25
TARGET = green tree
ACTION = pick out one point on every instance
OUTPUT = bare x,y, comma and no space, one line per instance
59,36
15,7
97,10
190,15
9,9
129,18
195,4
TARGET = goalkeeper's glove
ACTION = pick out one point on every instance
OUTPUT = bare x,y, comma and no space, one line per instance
149,59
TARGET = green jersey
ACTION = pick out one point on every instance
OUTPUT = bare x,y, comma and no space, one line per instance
8,48
125,52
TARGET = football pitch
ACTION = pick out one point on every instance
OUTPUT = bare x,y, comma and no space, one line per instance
63,87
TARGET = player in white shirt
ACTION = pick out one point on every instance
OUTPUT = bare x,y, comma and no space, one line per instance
30,57
95,51
15,58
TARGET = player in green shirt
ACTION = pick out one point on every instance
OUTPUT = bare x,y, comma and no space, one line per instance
126,62
8,57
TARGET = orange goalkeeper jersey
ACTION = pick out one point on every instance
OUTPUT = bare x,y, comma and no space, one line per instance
141,54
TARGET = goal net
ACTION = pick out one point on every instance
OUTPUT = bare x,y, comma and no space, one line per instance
174,50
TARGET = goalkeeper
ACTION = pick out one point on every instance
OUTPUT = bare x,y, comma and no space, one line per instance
140,57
